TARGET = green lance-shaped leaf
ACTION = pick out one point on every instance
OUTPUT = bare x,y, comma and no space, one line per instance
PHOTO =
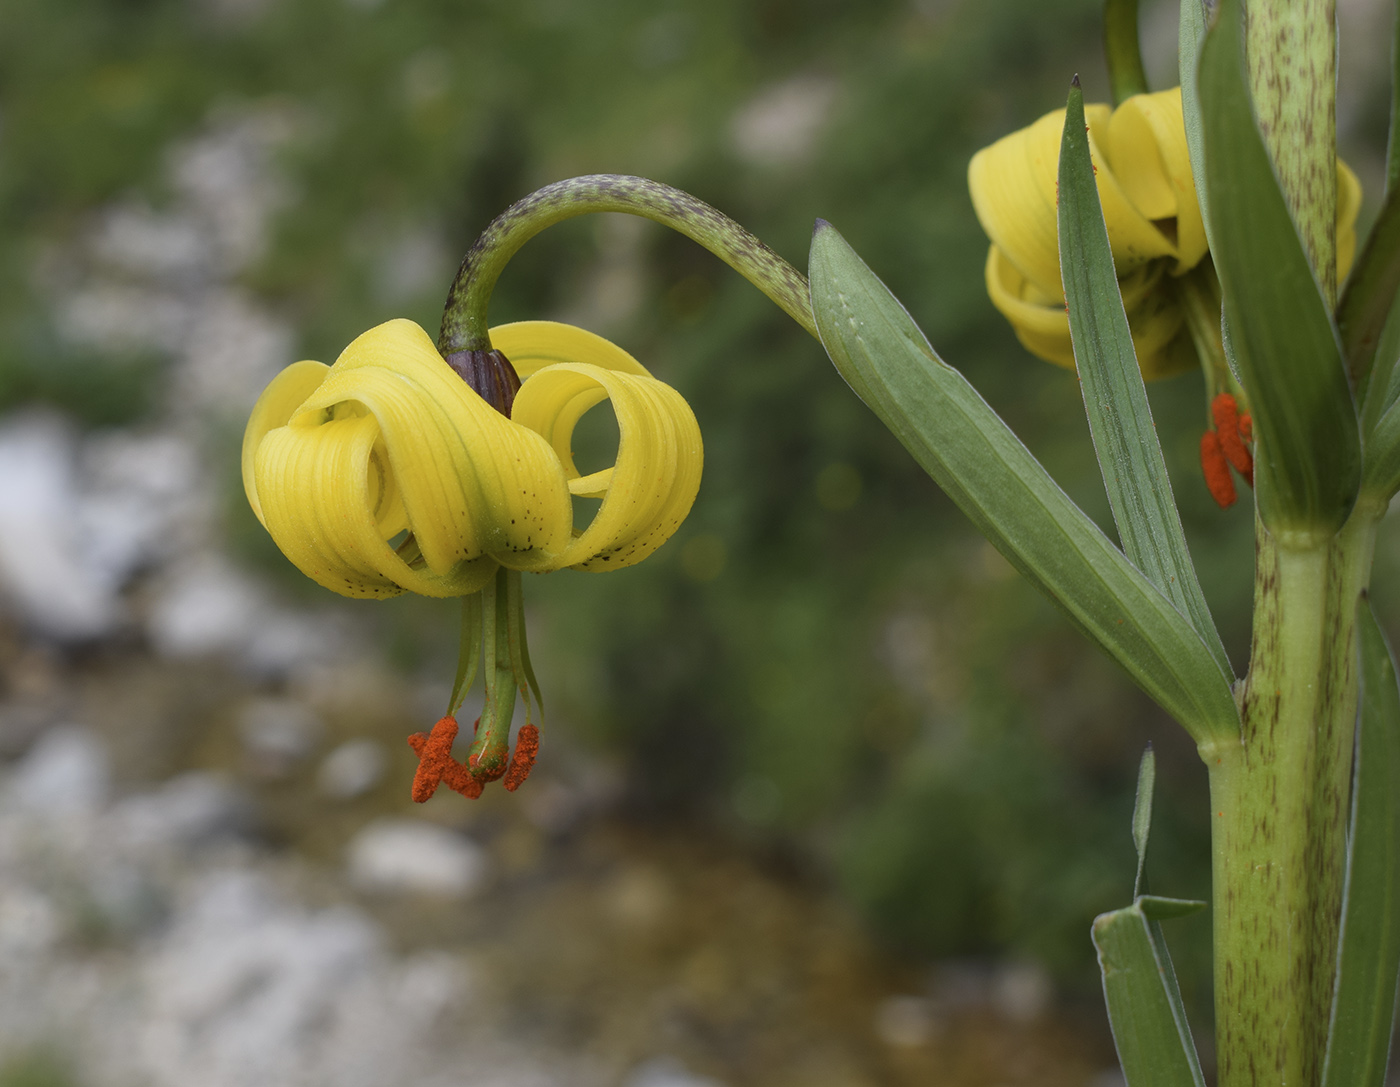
1383,455
1139,985
1378,392
974,456
1308,459
1123,49
1144,1002
1368,960
1191,32
1142,814
1120,418
1368,298
1392,151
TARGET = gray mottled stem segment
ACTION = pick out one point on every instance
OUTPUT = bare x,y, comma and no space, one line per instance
464,317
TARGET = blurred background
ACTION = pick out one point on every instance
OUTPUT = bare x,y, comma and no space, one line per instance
827,794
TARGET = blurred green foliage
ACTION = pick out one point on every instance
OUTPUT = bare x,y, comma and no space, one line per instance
827,654
38,1067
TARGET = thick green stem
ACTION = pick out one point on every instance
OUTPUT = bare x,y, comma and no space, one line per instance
1280,798
464,318
1292,50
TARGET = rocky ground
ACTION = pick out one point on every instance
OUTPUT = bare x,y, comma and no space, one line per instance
203,882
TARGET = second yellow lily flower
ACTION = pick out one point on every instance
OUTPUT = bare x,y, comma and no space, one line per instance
1154,225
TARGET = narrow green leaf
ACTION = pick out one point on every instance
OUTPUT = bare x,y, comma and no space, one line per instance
1191,32
1120,418
1383,455
1144,1003
1369,296
1156,908
1368,959
1123,49
1142,813
1308,451
996,481
1392,150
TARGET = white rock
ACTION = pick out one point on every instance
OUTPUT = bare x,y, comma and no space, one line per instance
29,924
905,1022
110,317
42,567
65,772
204,607
186,810
278,733
1023,991
413,856
244,985
135,240
288,641
141,498
226,178
665,1072
352,769
234,348
780,126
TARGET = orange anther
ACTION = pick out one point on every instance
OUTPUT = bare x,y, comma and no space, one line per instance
1217,471
1227,425
527,746
434,757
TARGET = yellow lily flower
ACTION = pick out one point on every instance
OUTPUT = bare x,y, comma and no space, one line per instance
386,473
1155,229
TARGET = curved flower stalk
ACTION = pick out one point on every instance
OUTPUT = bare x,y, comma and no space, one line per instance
387,473
448,469
1143,170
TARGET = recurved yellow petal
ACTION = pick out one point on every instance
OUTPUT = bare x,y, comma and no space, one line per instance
533,345
1042,325
1146,147
473,482
651,486
1348,204
277,404
327,491
1013,187
341,460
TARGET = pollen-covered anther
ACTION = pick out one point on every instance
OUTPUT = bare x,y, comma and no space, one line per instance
527,746
436,766
1216,470
1230,428
435,761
